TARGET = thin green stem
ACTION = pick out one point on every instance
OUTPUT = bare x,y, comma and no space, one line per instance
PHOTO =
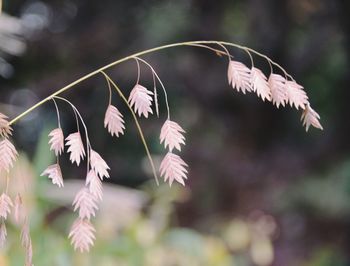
137,125
190,43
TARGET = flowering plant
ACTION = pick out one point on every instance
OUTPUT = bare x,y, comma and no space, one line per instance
279,89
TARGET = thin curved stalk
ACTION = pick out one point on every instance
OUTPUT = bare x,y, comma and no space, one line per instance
91,74
137,125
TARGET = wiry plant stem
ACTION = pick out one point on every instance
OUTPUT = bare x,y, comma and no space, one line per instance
138,71
58,113
190,43
137,125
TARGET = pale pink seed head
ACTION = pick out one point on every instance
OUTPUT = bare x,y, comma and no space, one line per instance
277,85
94,184
86,203
172,135
173,168
56,141
5,128
75,147
55,174
98,165
114,121
238,76
260,85
5,205
82,235
141,100
296,95
310,118
8,155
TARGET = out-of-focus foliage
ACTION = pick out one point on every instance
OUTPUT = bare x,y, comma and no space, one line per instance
134,227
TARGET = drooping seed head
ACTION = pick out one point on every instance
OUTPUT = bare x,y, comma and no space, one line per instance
172,135
82,235
56,141
55,174
173,168
141,100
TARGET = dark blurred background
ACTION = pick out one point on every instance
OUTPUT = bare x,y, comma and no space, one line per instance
247,159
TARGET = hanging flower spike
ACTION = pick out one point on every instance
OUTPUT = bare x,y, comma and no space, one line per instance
239,76
82,235
277,85
17,213
55,174
173,168
75,147
5,205
5,128
114,121
99,165
296,95
310,118
56,141
25,235
171,135
26,242
260,85
95,185
29,254
141,99
86,203
3,234
8,155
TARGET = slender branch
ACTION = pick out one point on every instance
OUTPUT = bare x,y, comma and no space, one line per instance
91,74
110,93
138,72
58,113
155,93
137,125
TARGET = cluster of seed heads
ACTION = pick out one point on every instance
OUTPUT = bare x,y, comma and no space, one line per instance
278,89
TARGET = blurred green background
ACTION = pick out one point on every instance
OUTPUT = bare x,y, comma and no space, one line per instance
261,191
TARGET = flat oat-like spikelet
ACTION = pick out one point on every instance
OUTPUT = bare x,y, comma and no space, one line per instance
5,205
25,235
75,147
239,76
5,128
29,254
55,174
296,95
260,85
26,242
98,165
141,100
114,121
310,118
173,168
3,234
172,135
56,141
17,209
82,235
277,85
86,203
95,184
8,155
